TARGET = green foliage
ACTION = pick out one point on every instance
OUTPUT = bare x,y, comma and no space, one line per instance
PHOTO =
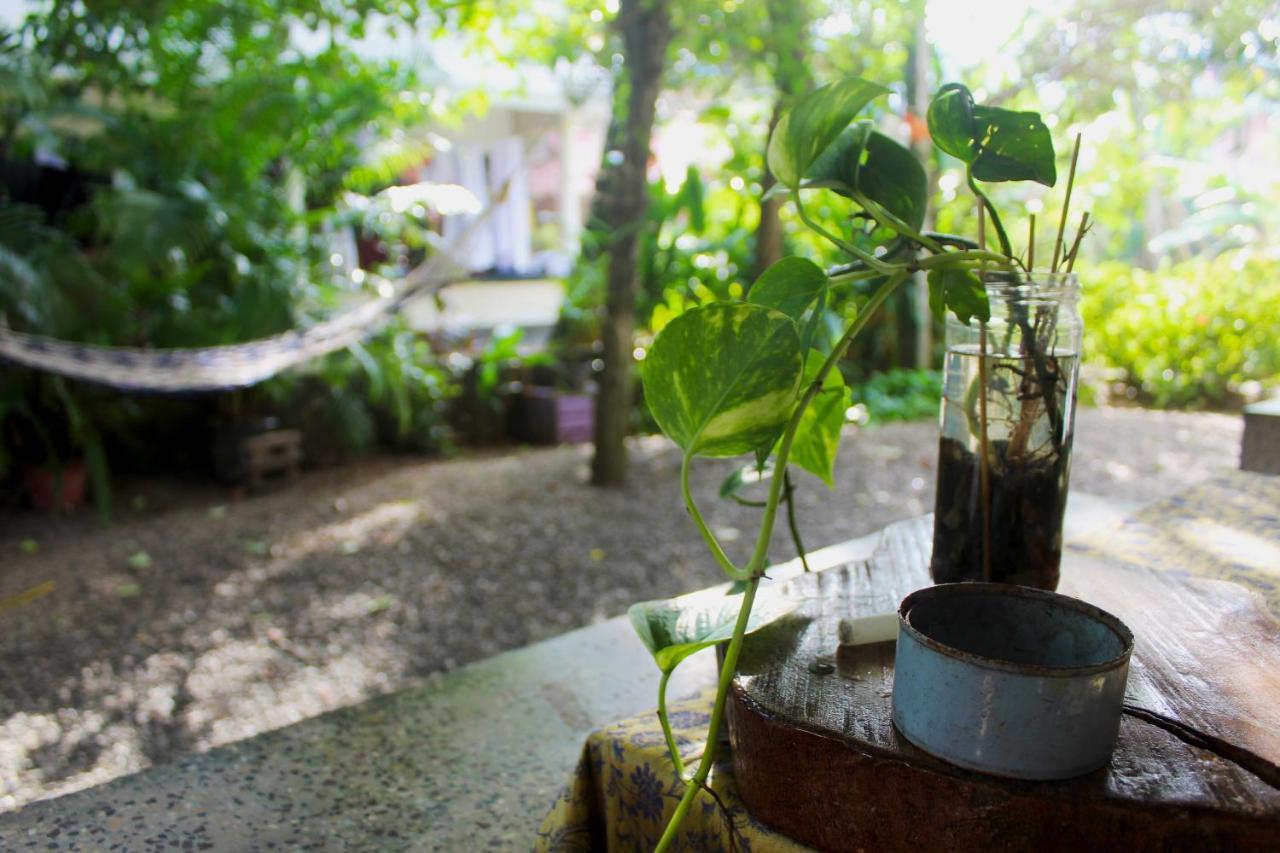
209,148
734,378
388,390
865,164
818,434
805,131
962,291
900,394
793,285
1187,334
997,144
721,380
675,628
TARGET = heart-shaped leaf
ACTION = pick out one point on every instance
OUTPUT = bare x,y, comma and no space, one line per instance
998,144
791,286
817,437
951,124
864,160
740,478
959,290
1014,146
805,131
721,380
675,628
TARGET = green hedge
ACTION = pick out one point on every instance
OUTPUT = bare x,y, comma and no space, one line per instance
1190,334
900,394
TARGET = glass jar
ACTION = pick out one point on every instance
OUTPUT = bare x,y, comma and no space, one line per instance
1008,409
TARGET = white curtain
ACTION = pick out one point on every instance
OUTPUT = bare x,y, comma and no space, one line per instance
512,226
465,166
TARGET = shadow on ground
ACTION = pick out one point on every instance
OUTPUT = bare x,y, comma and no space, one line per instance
214,621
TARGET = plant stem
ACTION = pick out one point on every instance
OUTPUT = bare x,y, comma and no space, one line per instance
862,255
984,469
984,465
991,211
977,256
712,543
1058,244
727,670
665,722
1031,245
755,568
854,275
789,492
888,220
1075,246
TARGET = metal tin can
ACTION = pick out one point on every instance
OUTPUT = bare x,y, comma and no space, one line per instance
1010,680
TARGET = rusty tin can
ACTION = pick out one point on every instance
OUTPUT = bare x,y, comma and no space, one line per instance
1010,680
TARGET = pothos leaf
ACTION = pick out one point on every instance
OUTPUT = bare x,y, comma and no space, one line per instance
804,131
790,285
866,161
959,290
950,120
675,628
817,438
721,380
997,144
740,478
1015,146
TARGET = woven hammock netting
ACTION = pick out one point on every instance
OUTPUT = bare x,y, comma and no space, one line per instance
192,370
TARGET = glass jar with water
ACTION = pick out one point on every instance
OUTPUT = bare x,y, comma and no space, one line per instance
1008,407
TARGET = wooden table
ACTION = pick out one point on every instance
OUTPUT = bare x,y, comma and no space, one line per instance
816,756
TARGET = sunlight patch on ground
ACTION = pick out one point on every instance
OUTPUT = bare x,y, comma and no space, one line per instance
242,677
1232,545
87,749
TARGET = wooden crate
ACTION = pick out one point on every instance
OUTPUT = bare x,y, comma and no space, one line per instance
271,458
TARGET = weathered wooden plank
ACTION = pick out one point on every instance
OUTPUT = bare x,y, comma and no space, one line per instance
816,755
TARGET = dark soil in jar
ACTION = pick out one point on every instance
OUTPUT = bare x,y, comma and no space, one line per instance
1028,499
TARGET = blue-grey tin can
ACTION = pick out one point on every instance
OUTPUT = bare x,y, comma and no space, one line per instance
1010,680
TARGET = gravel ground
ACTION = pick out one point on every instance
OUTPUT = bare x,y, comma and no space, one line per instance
201,621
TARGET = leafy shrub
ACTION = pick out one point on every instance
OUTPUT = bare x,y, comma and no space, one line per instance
1187,335
390,390
900,394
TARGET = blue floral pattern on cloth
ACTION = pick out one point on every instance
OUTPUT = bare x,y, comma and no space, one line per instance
624,790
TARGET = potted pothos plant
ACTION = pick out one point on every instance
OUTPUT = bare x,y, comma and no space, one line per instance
753,378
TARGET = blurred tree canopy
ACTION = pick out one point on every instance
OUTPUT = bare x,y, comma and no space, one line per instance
170,172
206,139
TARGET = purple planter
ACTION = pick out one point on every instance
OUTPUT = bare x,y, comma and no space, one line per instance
546,416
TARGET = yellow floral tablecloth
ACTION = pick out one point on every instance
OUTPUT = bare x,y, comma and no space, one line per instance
624,789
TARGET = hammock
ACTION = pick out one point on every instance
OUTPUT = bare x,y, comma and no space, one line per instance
220,368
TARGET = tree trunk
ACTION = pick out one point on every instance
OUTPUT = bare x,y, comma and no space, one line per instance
919,60
618,212
789,27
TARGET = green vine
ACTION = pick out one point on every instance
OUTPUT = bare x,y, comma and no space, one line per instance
735,378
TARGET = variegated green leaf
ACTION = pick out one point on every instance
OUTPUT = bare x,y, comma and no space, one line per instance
675,628
813,123
818,436
791,286
721,380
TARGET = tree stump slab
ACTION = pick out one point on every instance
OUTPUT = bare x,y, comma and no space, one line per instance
816,756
